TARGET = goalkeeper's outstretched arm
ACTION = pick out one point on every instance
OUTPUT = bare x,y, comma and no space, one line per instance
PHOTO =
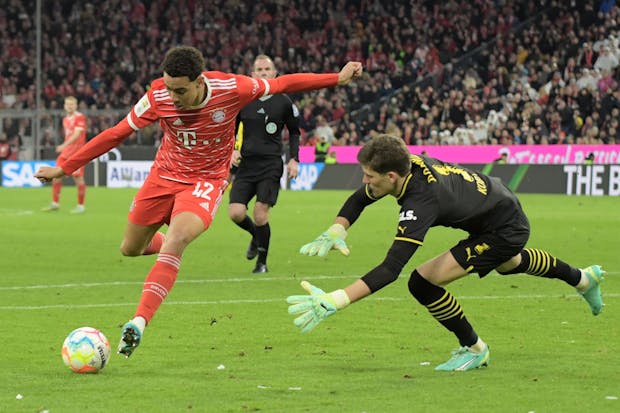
332,238
357,290
313,308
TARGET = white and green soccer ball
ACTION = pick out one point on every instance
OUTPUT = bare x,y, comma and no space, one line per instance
86,350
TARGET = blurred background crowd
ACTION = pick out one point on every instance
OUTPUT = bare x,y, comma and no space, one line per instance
455,72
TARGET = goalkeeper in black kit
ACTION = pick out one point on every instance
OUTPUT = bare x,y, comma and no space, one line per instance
258,158
432,193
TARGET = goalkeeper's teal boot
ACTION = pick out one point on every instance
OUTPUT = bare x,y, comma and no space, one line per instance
130,339
592,294
464,359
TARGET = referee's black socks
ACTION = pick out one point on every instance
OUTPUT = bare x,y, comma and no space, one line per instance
263,234
248,225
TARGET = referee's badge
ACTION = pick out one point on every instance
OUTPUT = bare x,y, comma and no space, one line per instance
271,128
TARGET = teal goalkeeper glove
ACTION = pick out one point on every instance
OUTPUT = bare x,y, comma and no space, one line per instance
332,238
315,307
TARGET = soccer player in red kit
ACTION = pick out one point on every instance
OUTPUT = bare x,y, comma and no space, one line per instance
74,125
196,110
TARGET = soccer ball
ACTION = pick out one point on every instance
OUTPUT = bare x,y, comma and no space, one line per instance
86,350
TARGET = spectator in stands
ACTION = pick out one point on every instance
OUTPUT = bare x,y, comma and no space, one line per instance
563,33
331,158
321,149
5,147
503,158
324,130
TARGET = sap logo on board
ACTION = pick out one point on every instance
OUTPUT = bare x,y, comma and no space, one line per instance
307,176
20,174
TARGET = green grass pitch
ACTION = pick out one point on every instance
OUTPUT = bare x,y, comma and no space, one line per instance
61,271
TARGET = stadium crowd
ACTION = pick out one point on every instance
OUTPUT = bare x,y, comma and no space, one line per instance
452,72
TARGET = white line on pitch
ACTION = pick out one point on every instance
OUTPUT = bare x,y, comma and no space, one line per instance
202,281
282,300
15,212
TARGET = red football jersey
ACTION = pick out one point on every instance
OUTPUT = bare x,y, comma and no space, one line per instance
69,124
198,142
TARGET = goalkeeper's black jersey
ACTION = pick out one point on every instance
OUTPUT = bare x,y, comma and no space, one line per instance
437,193
263,120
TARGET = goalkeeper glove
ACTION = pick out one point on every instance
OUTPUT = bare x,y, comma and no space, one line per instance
332,238
315,307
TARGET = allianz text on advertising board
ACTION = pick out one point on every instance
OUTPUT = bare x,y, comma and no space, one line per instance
127,174
20,174
592,180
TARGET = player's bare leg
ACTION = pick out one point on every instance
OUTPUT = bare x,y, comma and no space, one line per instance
137,238
183,229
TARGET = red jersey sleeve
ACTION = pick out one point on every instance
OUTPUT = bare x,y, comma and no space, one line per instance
252,89
142,114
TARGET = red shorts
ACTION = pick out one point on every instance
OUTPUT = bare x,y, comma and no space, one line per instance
158,200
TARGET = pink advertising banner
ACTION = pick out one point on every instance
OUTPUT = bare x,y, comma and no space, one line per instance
520,154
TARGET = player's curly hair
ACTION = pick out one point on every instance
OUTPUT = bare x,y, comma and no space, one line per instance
386,153
184,61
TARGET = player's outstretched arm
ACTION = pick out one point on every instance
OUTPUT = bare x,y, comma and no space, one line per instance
100,144
47,173
332,238
318,305
315,307
350,71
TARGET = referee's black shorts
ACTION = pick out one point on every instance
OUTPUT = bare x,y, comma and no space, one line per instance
260,178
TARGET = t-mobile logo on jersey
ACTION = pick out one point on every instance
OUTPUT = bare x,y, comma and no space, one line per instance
187,138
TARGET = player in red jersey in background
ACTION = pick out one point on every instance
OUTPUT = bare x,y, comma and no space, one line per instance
196,110
74,125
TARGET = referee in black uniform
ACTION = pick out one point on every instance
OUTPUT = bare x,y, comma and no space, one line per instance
258,161
433,193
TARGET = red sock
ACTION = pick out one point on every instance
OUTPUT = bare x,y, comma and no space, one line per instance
155,245
56,186
81,191
158,283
